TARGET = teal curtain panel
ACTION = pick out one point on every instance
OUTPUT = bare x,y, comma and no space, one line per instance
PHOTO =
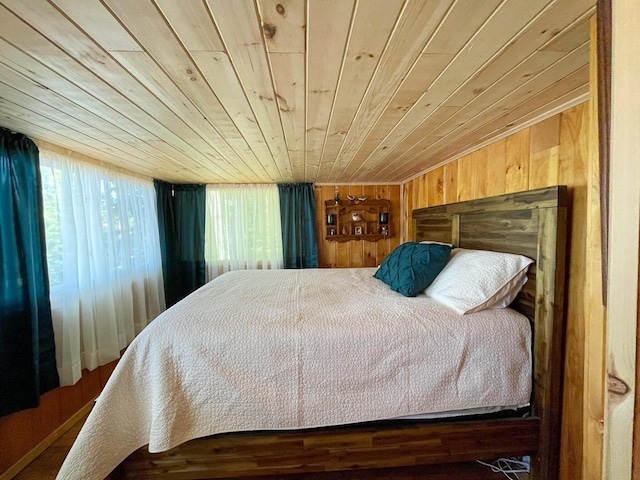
298,219
27,350
181,222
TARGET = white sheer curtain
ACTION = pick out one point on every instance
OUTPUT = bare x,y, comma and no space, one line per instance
103,254
242,229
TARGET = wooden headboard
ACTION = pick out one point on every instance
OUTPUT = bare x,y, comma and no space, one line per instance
531,223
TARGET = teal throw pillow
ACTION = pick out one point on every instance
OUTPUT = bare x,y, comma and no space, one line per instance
412,266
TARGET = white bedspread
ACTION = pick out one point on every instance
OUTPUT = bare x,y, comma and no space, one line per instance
298,348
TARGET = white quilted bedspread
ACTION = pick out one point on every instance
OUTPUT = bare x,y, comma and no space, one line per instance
285,349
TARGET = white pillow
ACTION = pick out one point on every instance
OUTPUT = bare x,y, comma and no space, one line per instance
437,243
474,280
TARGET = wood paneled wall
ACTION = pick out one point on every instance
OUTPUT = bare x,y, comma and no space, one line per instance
554,151
356,253
22,431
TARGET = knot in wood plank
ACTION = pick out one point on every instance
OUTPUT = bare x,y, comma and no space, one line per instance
617,386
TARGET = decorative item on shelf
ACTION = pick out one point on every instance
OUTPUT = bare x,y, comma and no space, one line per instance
357,219
336,197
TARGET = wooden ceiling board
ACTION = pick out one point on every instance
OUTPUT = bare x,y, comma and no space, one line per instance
568,67
143,19
284,24
505,22
104,27
327,40
482,93
562,93
443,47
37,83
192,23
262,91
37,97
284,28
417,22
239,26
92,69
289,75
369,35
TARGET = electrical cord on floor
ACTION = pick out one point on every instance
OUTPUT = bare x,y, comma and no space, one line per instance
510,467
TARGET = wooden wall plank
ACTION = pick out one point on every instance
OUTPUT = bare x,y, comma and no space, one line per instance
422,192
343,248
595,345
90,385
435,187
393,194
624,227
407,198
572,172
545,134
465,179
356,256
327,249
497,168
544,152
16,437
48,416
479,169
543,168
517,171
451,182
370,250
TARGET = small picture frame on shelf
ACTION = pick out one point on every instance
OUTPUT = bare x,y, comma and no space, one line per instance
357,230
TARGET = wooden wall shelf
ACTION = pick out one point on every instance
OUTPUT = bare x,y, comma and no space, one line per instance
357,220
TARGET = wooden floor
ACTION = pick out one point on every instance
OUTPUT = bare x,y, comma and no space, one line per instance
46,466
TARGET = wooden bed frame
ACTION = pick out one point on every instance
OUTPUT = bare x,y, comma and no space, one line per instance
531,223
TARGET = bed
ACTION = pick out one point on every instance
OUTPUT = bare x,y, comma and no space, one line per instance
263,430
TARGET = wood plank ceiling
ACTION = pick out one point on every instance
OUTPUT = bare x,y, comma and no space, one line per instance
246,91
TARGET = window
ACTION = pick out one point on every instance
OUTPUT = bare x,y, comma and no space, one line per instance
103,254
242,229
